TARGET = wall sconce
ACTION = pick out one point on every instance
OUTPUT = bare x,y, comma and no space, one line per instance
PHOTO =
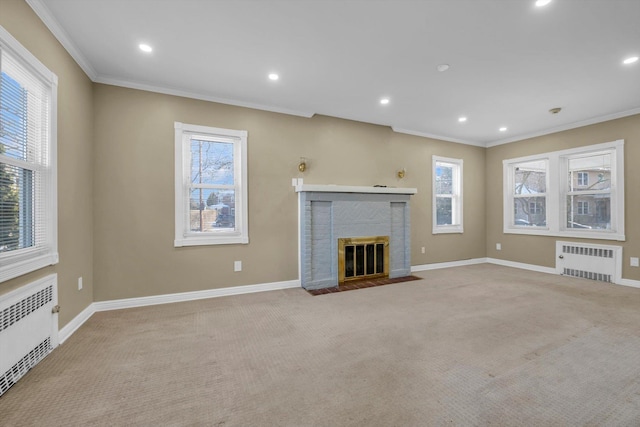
401,173
302,166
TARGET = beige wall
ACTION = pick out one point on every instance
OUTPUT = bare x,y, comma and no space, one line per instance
75,161
134,191
541,250
116,185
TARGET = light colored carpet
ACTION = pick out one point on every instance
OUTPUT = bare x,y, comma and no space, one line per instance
470,346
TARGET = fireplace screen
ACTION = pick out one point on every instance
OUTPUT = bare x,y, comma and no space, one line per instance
363,257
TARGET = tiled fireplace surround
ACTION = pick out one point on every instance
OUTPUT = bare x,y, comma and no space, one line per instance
330,212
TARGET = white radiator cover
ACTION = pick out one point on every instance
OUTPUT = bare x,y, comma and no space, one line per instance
28,328
589,261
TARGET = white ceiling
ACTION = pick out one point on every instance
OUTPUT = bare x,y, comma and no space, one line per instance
510,62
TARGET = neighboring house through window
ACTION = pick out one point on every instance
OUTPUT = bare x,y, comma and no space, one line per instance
577,192
583,208
28,193
211,185
583,179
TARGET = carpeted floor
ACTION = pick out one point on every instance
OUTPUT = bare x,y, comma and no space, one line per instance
469,346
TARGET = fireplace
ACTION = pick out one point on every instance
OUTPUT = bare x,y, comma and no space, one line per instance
363,258
349,233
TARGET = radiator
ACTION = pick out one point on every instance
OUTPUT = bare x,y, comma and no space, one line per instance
595,262
28,328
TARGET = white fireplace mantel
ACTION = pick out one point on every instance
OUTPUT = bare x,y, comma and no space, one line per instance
353,189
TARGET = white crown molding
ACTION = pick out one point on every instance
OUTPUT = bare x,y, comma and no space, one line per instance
186,94
51,22
569,126
438,137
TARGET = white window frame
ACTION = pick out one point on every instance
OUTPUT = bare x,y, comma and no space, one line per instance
183,235
456,197
557,188
45,250
509,185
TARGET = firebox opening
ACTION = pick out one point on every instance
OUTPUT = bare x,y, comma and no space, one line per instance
363,257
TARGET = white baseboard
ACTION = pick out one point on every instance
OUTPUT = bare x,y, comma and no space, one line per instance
474,261
79,320
630,282
521,265
75,323
192,296
436,266
85,314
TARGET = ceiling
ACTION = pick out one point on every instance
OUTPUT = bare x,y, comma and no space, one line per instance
509,61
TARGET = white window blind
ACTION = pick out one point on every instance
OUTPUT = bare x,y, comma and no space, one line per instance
27,167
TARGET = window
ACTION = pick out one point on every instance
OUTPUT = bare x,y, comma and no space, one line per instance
447,195
582,169
529,193
535,208
28,198
583,179
211,185
577,192
583,208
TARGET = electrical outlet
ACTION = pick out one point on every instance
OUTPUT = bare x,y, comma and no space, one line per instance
498,247
634,261
237,266
423,251
79,283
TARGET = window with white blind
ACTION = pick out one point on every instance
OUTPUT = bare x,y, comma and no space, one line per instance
211,185
28,201
447,195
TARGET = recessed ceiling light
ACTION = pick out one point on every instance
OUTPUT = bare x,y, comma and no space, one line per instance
462,119
384,101
503,129
442,67
273,76
145,47
630,60
540,3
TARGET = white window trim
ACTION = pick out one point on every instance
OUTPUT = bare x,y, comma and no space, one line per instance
182,175
456,202
556,189
23,261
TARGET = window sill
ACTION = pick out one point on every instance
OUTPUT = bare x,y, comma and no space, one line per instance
455,229
597,235
26,264
211,240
